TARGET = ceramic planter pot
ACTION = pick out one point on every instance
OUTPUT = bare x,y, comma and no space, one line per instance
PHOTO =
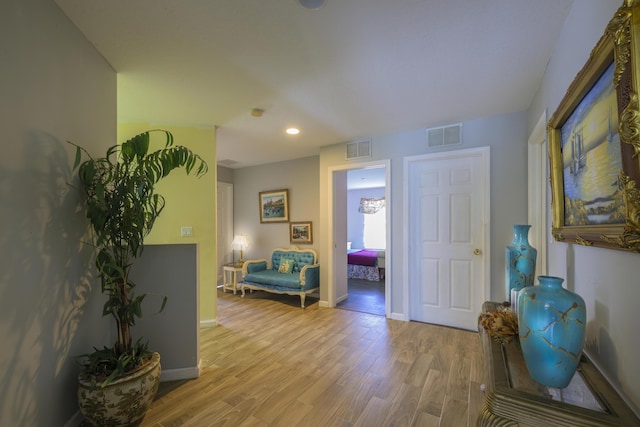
125,401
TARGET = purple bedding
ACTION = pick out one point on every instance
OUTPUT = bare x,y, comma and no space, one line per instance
363,257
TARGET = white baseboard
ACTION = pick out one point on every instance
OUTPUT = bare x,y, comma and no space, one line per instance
323,304
399,316
209,323
342,298
181,373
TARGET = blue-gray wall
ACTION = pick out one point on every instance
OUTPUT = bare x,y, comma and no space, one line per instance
506,135
54,87
300,177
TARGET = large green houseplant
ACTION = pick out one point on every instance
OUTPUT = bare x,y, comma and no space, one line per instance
122,206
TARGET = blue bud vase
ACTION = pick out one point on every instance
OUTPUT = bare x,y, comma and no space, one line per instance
551,323
520,261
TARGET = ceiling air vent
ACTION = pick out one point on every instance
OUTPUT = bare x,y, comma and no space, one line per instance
227,162
358,149
444,136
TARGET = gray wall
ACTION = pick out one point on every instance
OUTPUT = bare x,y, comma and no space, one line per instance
172,271
224,174
606,279
54,87
300,177
507,137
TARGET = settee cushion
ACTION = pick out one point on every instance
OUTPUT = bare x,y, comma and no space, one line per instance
286,265
273,278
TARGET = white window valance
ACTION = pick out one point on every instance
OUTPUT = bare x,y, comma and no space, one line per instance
371,206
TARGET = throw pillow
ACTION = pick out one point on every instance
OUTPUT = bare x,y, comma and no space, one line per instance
286,265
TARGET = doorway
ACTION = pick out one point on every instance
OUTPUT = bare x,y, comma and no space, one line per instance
224,228
448,236
360,244
366,240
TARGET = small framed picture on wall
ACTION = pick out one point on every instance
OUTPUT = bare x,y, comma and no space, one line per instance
300,232
274,206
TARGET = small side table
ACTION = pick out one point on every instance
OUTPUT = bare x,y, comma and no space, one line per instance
230,276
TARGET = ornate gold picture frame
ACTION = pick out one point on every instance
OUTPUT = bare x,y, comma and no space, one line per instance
594,142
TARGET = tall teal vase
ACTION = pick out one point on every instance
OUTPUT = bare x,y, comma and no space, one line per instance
551,324
520,258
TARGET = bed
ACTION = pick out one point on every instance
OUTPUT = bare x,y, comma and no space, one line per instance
364,264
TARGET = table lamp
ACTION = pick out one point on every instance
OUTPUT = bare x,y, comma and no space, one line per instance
240,242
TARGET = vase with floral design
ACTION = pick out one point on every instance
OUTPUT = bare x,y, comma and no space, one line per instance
520,258
551,328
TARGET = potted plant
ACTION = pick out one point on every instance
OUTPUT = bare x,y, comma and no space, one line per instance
122,206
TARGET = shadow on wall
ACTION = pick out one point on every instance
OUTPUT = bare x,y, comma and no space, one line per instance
45,284
598,342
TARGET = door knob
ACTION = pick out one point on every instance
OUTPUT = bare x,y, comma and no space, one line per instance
477,251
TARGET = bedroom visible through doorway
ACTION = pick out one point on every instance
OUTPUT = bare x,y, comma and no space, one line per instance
366,240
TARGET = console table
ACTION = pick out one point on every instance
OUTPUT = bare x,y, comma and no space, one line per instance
512,398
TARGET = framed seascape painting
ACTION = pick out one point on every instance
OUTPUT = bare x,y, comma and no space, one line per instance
300,232
594,141
274,206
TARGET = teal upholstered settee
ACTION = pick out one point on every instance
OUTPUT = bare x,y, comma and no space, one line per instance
290,271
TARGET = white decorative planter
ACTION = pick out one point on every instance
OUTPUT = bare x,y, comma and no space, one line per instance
125,401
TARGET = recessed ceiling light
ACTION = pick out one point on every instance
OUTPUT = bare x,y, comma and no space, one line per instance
293,131
311,4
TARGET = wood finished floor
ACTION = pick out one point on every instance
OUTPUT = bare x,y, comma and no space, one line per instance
365,296
271,363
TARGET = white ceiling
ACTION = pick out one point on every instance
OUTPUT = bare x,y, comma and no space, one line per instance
350,70
358,179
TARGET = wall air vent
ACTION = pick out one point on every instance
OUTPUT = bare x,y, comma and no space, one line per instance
444,136
358,149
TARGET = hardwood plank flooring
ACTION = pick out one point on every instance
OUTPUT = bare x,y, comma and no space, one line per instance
365,296
271,363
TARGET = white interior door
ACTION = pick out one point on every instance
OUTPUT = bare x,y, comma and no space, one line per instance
224,210
448,243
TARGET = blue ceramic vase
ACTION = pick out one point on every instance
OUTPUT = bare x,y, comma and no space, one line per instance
551,323
520,261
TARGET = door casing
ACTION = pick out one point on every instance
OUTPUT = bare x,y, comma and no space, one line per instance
334,238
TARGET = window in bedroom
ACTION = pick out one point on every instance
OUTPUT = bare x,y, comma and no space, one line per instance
375,229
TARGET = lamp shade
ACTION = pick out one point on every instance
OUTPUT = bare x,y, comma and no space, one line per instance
240,242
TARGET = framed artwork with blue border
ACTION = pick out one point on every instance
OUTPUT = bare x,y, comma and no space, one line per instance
274,206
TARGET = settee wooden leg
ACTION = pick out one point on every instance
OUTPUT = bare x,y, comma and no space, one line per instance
242,290
302,297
